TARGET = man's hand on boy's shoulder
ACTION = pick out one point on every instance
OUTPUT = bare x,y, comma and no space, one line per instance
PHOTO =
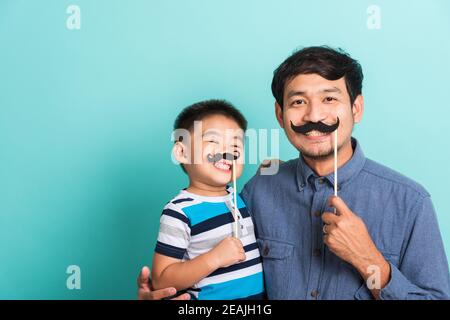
145,291
269,166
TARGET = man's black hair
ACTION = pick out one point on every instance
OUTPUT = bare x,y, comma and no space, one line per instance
329,63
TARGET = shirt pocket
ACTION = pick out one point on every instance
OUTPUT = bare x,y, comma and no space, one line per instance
277,265
363,293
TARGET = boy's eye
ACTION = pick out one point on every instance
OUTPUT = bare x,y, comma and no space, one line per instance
213,141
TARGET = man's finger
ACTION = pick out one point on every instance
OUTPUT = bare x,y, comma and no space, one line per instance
330,218
144,278
266,163
328,229
339,204
162,293
184,296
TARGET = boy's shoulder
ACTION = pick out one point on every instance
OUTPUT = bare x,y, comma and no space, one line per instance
179,202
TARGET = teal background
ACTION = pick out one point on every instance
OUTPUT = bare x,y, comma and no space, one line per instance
86,115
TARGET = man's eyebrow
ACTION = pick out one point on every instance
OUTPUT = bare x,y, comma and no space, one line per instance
295,93
330,90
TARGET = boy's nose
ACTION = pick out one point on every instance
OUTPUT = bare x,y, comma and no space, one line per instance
230,156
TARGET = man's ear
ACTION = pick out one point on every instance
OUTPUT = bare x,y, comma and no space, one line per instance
279,114
358,108
179,152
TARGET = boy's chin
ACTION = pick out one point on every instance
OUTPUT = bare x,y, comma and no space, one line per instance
220,182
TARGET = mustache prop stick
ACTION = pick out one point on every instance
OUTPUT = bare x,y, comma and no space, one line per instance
322,127
228,156
335,161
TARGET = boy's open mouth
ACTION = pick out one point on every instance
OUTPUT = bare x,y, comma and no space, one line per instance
224,165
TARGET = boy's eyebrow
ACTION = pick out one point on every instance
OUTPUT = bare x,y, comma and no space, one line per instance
211,132
239,138
217,132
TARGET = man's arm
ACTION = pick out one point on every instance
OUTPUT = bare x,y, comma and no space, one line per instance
346,235
423,271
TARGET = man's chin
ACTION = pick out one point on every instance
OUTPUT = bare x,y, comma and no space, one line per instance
318,155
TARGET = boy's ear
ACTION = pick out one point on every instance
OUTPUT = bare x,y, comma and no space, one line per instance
179,152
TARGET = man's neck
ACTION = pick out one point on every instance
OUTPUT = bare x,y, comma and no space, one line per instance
325,166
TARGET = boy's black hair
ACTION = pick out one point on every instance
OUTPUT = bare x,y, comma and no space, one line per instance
202,109
332,64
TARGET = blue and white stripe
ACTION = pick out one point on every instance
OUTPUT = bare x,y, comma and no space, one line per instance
192,225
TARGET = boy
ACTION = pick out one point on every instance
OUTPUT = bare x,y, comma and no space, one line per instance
197,250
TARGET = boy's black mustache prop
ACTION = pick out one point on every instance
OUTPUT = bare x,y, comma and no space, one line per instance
223,156
319,126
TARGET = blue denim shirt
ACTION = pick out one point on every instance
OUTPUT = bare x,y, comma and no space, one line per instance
398,213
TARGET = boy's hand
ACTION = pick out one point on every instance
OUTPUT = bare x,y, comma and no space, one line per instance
228,252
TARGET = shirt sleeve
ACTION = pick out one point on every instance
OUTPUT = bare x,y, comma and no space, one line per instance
423,269
174,232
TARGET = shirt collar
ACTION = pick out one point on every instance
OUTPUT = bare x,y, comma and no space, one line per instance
345,173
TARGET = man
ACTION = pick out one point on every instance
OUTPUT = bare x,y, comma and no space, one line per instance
383,239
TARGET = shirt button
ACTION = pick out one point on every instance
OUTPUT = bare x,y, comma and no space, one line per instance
317,214
317,253
321,181
314,294
266,251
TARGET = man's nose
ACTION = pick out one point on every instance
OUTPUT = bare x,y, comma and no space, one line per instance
315,112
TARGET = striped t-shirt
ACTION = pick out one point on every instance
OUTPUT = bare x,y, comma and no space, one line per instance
191,225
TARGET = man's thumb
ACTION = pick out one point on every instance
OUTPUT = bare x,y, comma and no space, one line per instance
144,277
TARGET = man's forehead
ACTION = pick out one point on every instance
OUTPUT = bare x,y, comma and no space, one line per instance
313,84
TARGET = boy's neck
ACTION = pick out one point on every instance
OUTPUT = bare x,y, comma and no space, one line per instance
202,189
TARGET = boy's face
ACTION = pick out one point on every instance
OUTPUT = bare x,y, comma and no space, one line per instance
218,135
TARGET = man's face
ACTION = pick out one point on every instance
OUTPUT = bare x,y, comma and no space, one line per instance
312,98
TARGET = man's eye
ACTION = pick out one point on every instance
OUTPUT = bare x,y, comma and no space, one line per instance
330,99
299,101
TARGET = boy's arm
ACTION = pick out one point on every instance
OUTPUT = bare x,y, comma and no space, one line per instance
172,272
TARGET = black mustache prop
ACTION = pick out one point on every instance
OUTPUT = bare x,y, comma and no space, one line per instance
223,156
319,126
